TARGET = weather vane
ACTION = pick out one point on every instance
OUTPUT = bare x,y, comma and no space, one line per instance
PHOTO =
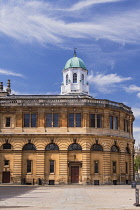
75,55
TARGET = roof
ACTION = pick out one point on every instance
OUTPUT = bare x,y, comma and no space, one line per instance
75,62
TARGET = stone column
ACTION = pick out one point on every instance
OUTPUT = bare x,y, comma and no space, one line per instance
63,167
40,164
86,174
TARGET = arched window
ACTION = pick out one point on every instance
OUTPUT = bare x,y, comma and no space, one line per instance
74,78
52,146
6,146
74,146
127,150
82,79
29,146
67,79
96,147
114,148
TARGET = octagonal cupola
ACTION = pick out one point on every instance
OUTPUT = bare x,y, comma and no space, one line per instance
75,77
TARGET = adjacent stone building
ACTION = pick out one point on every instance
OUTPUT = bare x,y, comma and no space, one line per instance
67,138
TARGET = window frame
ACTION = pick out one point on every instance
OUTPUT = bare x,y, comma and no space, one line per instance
126,125
8,162
83,79
96,167
9,123
53,166
114,167
126,167
114,122
30,120
67,79
29,166
74,78
75,120
52,120
94,120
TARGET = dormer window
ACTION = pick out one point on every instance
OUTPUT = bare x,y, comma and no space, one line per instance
74,78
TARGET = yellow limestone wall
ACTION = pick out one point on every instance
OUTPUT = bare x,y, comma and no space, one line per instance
63,136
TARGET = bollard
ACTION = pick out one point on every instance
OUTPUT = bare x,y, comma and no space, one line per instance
137,197
133,184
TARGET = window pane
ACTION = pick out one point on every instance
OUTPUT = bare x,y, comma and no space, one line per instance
96,168
92,120
55,120
114,167
26,120
82,79
6,146
99,120
33,120
116,123
29,166
6,162
66,79
71,120
78,120
111,122
51,166
126,167
74,78
7,121
48,120
126,125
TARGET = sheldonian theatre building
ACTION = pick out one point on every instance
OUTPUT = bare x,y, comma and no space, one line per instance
67,138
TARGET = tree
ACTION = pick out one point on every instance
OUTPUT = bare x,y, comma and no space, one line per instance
137,163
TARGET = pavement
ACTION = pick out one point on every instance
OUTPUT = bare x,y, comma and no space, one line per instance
68,197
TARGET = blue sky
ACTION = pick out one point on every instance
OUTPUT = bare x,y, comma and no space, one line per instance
38,37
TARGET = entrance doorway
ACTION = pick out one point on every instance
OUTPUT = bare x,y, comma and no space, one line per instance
6,177
74,174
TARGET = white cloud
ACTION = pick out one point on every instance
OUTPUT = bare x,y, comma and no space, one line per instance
108,79
132,88
137,134
29,21
106,83
136,112
6,72
87,3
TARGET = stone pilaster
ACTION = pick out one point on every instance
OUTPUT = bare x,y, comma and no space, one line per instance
86,167
17,167
107,167
63,168
122,168
40,164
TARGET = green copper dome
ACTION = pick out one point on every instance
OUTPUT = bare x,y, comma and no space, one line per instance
75,62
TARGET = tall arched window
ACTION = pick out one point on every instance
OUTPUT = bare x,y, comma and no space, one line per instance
74,78
52,146
82,79
29,146
74,146
66,79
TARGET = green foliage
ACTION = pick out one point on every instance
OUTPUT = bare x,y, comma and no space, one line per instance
137,163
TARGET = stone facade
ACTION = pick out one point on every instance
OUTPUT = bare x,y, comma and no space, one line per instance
96,149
